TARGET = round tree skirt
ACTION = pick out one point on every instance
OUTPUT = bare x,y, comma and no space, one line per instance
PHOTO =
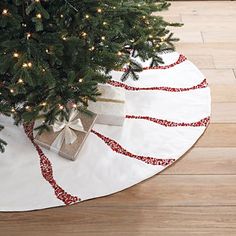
167,110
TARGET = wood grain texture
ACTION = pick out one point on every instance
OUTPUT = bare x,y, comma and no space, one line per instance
205,161
143,220
196,195
219,76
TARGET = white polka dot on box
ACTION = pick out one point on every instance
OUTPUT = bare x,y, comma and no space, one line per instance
167,110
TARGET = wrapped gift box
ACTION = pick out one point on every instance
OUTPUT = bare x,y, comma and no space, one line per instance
67,138
110,106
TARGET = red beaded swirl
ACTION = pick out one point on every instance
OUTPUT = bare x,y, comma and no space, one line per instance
119,149
181,59
203,84
203,122
47,171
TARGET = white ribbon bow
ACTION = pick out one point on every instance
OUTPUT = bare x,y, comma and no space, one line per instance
66,130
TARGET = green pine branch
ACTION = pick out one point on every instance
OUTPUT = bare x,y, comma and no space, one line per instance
54,53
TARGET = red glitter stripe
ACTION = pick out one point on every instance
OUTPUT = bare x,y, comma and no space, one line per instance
202,122
181,59
47,171
203,84
119,149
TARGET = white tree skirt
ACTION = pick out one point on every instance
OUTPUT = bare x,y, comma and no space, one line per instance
168,109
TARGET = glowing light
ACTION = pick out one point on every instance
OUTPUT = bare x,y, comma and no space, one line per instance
87,16
84,34
12,90
5,12
162,39
99,10
28,35
103,37
16,55
39,16
92,48
61,107
20,81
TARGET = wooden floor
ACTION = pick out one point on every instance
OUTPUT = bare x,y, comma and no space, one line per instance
195,196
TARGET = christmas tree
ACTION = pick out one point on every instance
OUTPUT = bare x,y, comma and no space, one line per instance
55,52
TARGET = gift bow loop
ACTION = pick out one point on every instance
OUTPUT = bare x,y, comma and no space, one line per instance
66,129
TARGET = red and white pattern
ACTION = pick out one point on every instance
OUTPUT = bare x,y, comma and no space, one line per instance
201,85
47,172
181,59
166,115
166,123
116,147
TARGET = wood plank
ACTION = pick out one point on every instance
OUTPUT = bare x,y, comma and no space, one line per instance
141,220
222,49
186,36
202,61
174,190
219,8
225,61
222,53
220,35
170,17
205,161
223,93
223,113
219,76
206,23
218,135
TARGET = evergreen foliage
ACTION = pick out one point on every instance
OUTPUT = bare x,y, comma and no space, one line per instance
54,52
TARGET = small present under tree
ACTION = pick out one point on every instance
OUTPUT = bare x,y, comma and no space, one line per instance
55,52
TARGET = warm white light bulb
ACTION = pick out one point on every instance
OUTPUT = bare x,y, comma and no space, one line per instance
39,16
84,34
5,12
20,81
28,35
92,48
15,54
